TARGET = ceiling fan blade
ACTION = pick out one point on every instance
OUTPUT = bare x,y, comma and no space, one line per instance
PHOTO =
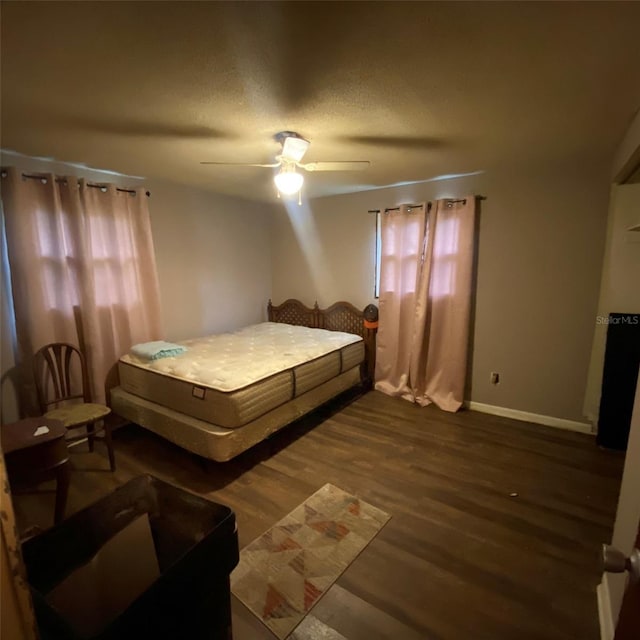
338,165
243,164
398,142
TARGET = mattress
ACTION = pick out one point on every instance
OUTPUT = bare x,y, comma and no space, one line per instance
232,379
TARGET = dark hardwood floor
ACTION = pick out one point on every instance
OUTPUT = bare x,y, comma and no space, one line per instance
496,524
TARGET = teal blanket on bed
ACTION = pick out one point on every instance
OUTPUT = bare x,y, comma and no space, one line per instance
156,350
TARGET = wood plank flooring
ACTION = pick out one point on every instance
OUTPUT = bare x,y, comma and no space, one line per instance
496,524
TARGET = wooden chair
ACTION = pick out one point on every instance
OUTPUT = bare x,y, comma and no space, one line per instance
62,384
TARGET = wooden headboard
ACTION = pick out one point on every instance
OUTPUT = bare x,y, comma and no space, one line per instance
341,316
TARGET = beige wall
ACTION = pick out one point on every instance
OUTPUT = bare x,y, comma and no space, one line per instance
16,613
11,625
540,254
214,260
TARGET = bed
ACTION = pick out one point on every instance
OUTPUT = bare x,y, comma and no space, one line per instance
229,391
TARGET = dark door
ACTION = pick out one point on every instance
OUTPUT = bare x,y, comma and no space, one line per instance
620,375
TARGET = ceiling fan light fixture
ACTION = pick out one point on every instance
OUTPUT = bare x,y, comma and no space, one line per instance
288,180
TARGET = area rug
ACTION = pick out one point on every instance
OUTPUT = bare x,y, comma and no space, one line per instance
283,573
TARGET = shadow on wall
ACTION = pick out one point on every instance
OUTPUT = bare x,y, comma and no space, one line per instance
304,227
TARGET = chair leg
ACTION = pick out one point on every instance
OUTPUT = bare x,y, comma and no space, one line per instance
109,442
90,436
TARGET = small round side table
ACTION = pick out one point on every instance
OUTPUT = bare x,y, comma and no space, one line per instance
28,455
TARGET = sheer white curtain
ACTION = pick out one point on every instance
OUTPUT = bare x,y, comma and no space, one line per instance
425,302
82,269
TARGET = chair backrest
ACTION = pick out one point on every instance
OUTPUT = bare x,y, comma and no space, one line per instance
60,374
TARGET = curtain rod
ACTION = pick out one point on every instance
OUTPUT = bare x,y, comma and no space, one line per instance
408,206
103,187
449,201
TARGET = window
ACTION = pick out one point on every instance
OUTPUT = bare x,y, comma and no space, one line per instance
403,252
399,247
108,258
445,256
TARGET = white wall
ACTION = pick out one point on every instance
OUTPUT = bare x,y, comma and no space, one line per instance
628,512
620,278
628,152
540,254
620,282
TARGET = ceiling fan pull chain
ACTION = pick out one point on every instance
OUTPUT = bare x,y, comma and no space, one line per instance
300,197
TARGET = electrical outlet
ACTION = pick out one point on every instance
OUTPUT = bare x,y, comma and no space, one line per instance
495,378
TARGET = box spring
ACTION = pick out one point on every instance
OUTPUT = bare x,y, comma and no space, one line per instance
214,441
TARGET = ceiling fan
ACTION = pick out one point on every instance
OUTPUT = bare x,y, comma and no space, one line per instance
288,180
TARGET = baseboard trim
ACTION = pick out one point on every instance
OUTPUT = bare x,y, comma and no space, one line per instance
607,629
549,421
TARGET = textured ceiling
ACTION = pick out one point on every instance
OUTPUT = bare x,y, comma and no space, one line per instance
419,89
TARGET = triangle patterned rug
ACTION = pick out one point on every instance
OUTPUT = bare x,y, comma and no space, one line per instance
283,573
